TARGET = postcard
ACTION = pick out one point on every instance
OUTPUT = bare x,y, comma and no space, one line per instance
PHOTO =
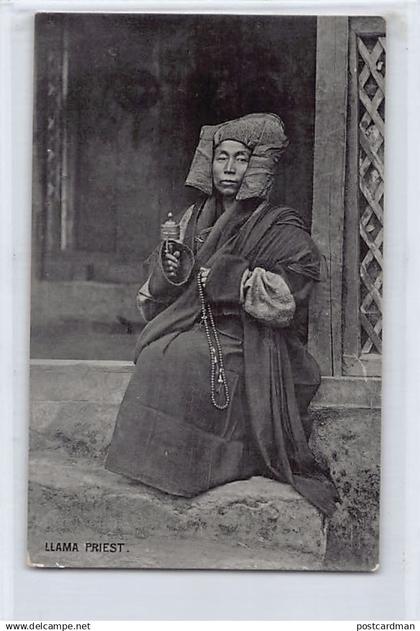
206,312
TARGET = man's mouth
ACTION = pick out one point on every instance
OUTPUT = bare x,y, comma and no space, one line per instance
228,182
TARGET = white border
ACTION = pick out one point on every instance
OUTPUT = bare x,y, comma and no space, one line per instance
6,349
412,338
391,593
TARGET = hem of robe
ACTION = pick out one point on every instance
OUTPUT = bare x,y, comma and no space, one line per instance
152,449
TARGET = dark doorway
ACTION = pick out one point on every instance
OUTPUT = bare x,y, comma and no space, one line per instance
120,100
138,89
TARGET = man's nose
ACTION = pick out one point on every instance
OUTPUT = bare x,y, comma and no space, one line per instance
230,166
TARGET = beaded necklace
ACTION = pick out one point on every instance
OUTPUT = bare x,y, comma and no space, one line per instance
217,368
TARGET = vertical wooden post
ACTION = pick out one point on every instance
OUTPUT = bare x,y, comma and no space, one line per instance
325,314
67,208
38,161
53,133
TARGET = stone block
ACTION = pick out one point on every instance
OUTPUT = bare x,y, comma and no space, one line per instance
72,380
97,380
348,442
74,407
253,524
351,392
78,428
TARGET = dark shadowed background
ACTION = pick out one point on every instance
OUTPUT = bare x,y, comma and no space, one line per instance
120,100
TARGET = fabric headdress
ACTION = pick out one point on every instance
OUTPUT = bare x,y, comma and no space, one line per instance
263,134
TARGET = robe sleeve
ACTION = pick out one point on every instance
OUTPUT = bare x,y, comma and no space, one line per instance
263,294
276,284
148,306
283,280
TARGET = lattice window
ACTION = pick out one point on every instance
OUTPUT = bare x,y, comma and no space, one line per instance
371,71
364,199
345,317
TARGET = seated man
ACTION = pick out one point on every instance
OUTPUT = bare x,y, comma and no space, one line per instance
223,379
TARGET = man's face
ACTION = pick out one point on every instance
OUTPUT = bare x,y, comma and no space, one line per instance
230,162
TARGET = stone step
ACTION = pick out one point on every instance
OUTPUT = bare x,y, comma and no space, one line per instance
165,553
74,406
73,380
105,382
252,524
84,429
77,428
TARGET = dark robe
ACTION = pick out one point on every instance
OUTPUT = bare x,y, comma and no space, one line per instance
168,433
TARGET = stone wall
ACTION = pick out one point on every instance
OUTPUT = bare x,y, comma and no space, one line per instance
348,441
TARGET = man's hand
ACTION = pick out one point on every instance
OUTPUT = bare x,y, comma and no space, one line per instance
171,264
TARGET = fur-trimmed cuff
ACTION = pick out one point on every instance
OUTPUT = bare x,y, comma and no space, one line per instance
267,297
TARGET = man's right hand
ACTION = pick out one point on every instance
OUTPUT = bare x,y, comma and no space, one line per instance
171,264
168,271
171,271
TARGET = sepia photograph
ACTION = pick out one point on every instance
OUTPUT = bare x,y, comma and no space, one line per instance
206,291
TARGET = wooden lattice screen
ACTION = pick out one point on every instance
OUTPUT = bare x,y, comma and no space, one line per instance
371,182
363,269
